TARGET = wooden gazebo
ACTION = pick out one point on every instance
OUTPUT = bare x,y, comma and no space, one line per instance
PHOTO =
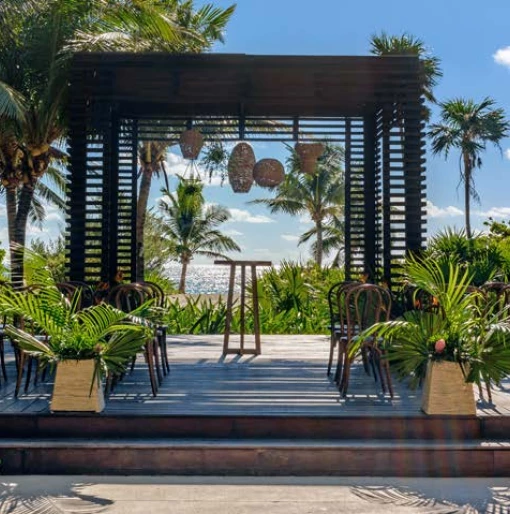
372,105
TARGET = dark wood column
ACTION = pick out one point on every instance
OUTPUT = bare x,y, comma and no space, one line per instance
414,162
370,197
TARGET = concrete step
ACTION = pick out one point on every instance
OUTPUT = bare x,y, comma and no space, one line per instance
65,426
304,457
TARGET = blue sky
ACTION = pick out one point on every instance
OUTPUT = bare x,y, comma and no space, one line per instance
466,35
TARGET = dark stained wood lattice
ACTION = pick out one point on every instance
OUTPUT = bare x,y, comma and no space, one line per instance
371,105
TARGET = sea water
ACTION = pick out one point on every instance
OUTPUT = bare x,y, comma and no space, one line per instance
202,278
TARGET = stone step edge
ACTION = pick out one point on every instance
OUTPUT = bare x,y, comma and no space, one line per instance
254,444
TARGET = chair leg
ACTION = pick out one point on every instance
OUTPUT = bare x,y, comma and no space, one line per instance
150,363
488,388
344,383
21,364
365,360
340,363
332,346
155,345
2,358
164,354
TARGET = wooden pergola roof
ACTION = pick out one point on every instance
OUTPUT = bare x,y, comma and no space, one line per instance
149,85
372,105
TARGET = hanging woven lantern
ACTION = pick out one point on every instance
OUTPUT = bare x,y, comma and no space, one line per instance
308,154
191,142
268,173
240,168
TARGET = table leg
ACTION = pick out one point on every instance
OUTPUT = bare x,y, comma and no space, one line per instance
230,301
255,300
243,304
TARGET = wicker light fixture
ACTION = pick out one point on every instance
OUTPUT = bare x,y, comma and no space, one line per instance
240,168
308,154
268,173
191,142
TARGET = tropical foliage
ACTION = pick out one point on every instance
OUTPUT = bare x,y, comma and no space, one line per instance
321,196
191,227
407,44
101,332
476,334
468,127
484,256
292,300
37,39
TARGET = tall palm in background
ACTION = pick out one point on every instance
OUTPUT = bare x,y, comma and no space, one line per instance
202,28
320,195
406,44
192,227
36,43
37,39
468,126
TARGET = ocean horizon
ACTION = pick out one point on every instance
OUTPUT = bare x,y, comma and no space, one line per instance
205,278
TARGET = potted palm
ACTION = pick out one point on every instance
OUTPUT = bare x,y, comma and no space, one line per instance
462,339
83,344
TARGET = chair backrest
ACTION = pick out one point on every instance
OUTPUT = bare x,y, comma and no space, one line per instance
366,304
69,289
338,306
128,297
155,292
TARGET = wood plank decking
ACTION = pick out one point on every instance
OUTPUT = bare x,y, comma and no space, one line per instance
288,379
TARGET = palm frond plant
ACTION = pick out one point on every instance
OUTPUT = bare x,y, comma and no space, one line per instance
102,334
462,329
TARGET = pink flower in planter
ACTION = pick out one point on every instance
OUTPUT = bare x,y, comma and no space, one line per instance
440,345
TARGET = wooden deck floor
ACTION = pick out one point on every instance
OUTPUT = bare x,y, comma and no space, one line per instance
289,378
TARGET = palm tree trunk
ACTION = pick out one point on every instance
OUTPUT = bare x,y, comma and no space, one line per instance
10,200
20,232
141,212
319,252
184,271
467,195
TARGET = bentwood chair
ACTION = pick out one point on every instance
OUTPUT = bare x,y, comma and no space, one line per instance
158,296
337,321
365,305
128,297
69,289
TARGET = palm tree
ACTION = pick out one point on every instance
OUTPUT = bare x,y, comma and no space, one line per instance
192,227
406,44
321,195
198,29
333,239
468,126
37,39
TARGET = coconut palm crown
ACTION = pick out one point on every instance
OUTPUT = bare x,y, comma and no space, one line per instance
192,227
467,126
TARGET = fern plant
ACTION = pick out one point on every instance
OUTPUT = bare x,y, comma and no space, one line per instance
107,335
472,332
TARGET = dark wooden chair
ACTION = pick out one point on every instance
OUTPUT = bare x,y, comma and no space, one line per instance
158,295
365,305
127,297
337,321
69,289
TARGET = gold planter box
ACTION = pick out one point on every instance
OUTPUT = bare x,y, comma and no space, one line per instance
72,390
445,390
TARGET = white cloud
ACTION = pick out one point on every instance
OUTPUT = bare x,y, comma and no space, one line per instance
304,219
507,153
242,216
290,237
177,165
442,212
495,212
502,56
233,233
